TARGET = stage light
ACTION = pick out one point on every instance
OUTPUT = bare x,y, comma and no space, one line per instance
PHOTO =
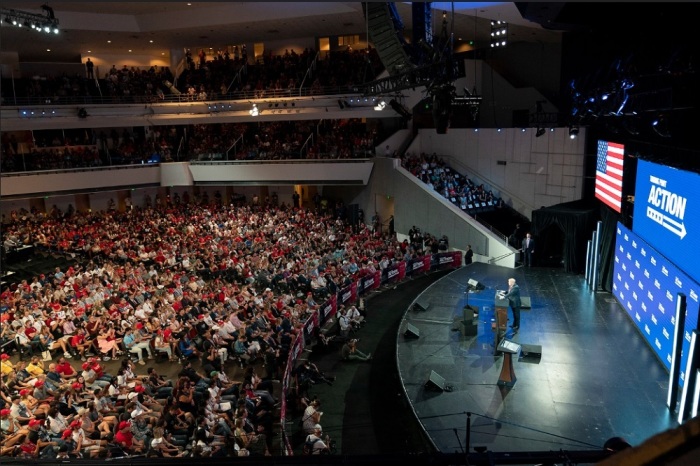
573,132
661,127
254,111
380,106
499,33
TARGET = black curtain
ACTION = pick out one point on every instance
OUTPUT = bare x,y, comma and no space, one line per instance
577,220
608,230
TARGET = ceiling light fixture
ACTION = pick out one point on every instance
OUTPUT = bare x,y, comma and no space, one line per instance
573,132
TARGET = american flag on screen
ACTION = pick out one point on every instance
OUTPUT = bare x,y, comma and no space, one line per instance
608,177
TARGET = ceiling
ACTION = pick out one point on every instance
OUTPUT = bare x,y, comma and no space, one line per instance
154,28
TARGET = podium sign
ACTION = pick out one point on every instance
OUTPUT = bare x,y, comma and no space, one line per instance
507,377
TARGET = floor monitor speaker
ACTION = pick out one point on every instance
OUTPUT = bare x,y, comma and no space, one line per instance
435,382
530,353
418,307
411,331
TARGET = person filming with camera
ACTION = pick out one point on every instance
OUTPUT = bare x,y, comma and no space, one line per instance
350,352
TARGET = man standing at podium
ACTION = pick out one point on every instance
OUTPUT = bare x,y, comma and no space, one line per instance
513,297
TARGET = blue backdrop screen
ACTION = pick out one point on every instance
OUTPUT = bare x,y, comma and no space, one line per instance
646,284
667,213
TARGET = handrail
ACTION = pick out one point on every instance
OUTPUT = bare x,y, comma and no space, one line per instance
491,228
493,260
179,68
179,147
240,138
311,67
46,102
238,78
301,151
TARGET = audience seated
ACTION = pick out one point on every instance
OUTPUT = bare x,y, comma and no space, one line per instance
132,279
455,187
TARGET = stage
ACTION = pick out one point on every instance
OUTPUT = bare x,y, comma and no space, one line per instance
596,379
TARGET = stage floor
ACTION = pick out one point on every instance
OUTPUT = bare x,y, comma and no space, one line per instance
596,379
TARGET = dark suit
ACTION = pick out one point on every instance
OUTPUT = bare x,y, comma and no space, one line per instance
513,297
528,250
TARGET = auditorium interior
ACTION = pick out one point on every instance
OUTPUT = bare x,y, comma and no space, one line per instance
424,132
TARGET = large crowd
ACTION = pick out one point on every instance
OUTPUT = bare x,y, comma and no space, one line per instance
220,76
282,140
457,188
206,282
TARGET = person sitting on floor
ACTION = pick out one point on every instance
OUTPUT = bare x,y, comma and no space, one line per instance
350,352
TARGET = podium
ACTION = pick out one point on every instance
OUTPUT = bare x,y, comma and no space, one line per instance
501,321
507,377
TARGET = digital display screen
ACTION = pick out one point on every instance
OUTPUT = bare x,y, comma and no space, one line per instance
610,160
667,213
647,284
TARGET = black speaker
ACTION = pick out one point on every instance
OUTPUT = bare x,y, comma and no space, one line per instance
411,331
418,307
435,382
531,354
475,285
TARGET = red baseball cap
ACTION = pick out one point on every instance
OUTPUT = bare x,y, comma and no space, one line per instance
39,383
35,422
139,388
4,412
4,356
23,392
66,433
76,424
77,386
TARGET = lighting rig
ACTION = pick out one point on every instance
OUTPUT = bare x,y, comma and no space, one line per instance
46,22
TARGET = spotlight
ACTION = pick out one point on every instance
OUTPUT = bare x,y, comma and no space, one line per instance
499,32
540,132
254,111
661,127
573,132
380,106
